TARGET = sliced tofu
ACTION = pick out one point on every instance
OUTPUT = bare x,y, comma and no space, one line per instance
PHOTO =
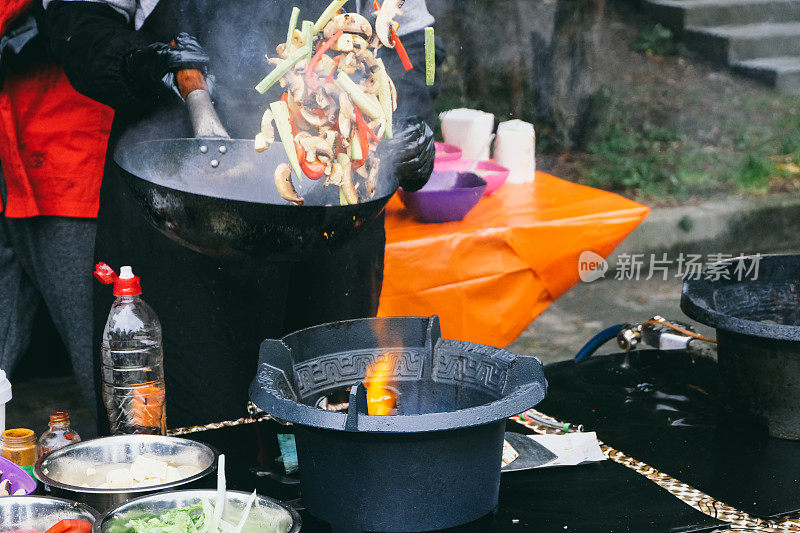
119,478
144,468
173,474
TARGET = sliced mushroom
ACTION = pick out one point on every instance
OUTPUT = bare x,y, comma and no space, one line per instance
296,84
348,23
316,148
359,43
325,66
349,64
330,137
312,118
347,187
267,127
5,488
367,61
297,41
335,177
344,43
324,102
281,50
346,110
371,85
384,22
283,182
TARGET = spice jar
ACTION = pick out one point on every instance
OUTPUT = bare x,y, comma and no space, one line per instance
19,447
58,435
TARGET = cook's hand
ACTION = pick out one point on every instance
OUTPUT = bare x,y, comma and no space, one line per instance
155,65
414,152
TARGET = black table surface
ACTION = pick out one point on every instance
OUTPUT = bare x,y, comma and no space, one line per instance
601,497
669,410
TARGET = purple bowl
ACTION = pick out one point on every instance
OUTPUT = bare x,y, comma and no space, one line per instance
447,152
447,197
494,174
17,476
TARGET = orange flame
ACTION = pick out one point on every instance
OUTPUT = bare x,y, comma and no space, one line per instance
380,399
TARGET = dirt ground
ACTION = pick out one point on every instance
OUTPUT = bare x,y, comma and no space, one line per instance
680,130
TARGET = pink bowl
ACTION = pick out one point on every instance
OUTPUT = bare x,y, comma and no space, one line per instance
447,152
494,174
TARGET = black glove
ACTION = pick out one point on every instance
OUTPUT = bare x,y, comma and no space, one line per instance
154,66
106,60
413,152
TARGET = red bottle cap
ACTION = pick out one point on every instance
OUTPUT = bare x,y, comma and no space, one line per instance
125,285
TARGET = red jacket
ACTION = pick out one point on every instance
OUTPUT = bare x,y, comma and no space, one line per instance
52,140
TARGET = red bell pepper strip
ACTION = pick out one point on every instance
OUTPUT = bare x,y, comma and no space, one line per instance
310,78
71,525
398,45
313,170
330,78
401,51
362,139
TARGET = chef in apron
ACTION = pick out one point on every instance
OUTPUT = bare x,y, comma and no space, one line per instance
215,313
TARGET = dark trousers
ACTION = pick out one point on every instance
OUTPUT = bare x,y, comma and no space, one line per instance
48,260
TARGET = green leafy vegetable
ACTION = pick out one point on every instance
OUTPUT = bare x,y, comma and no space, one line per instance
189,520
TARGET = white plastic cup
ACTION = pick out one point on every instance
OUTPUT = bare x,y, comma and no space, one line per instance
5,397
515,149
470,130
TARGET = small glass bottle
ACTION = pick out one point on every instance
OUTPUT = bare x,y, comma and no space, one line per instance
58,435
19,447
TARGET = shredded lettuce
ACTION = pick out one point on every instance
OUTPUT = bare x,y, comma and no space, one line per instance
189,520
199,519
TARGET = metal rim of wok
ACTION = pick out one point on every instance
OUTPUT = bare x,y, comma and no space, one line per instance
211,493
233,211
698,293
530,389
47,480
68,504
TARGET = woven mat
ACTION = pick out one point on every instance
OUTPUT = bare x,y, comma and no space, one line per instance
739,520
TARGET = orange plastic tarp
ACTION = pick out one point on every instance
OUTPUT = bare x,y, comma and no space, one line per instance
489,275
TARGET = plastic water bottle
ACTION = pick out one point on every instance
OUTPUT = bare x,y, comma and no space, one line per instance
132,359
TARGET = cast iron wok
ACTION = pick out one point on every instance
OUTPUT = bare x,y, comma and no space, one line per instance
233,211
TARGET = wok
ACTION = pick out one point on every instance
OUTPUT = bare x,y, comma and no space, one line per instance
217,195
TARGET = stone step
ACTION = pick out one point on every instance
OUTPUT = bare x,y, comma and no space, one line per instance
681,14
730,44
783,72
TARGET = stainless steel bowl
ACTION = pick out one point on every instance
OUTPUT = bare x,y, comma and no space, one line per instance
40,513
61,470
286,519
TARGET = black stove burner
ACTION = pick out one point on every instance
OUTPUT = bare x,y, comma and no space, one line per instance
596,498
435,464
